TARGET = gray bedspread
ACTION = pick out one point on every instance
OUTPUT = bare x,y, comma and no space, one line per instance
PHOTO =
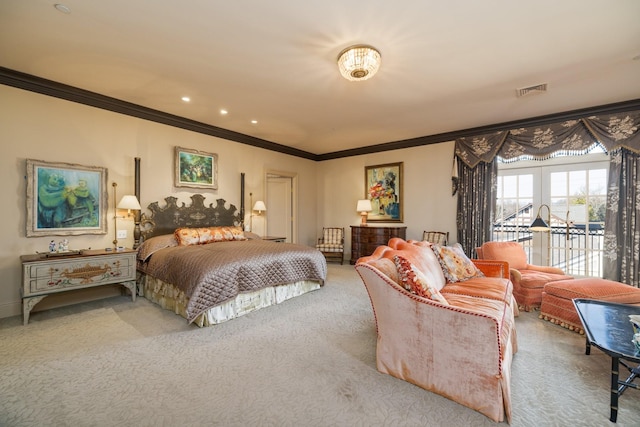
215,273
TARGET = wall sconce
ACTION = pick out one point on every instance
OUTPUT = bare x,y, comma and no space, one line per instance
259,206
128,202
538,224
364,207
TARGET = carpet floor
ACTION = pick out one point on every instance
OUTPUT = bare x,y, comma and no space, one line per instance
307,362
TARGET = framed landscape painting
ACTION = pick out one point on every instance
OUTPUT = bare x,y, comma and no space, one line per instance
195,169
65,199
383,184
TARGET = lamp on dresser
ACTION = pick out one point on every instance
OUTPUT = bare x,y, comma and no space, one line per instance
364,207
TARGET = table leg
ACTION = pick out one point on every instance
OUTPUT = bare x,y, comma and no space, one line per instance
614,389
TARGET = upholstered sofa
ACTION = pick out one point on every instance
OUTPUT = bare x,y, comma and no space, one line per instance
458,338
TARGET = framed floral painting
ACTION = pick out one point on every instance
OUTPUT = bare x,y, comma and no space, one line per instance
196,169
383,184
65,199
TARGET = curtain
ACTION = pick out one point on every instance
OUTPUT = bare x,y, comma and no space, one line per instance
476,204
622,218
617,132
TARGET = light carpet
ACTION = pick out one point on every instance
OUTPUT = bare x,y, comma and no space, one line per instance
307,362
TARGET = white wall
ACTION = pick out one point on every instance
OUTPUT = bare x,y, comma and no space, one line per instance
428,204
34,126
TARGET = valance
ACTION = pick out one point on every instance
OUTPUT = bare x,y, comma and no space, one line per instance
577,136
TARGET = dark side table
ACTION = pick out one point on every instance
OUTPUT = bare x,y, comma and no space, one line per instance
607,327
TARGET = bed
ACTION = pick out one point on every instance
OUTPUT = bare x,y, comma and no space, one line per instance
198,262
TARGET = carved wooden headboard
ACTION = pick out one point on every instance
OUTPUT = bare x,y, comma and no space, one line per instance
165,219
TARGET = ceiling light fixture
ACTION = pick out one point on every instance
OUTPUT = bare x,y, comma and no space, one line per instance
62,8
360,62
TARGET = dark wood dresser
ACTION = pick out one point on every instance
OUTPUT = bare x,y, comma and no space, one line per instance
365,239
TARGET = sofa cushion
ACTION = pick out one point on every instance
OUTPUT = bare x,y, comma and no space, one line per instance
415,282
537,279
456,266
421,256
495,288
506,251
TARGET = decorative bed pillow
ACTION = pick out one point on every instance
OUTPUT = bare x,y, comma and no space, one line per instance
456,266
204,235
154,244
415,282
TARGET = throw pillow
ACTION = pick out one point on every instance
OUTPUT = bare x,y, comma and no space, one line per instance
204,235
456,266
415,282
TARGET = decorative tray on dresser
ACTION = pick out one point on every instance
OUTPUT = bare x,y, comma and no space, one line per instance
46,274
365,239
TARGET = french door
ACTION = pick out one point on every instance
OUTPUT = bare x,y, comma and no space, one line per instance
569,193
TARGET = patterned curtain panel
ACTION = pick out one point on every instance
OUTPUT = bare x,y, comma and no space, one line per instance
542,142
618,131
477,188
622,219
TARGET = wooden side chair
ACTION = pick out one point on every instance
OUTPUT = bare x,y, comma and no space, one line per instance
331,244
437,237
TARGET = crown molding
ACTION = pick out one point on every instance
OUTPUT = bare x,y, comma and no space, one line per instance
70,93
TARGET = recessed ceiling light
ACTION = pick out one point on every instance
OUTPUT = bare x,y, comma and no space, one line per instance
186,99
255,122
62,8
223,112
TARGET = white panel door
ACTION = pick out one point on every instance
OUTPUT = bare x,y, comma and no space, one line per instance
279,207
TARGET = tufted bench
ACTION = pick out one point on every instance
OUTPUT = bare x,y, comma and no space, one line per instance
557,305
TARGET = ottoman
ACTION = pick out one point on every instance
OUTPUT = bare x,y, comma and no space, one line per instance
557,305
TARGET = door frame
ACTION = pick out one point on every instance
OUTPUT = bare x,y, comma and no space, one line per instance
271,173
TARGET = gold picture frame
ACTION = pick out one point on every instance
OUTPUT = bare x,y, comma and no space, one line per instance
383,187
195,169
65,199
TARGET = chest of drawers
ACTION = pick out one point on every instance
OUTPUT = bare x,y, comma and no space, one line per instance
365,239
44,275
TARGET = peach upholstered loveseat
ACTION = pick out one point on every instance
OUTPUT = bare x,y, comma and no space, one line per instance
456,339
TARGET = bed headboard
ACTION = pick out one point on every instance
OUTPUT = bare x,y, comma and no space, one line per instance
165,219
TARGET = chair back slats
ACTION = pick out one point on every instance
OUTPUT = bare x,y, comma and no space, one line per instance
331,244
436,237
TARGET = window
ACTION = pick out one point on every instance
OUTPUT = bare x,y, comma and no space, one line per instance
574,192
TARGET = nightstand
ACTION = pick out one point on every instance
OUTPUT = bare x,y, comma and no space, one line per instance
274,239
46,274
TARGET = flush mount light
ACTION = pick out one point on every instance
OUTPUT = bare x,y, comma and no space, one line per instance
62,8
186,99
224,112
254,122
360,62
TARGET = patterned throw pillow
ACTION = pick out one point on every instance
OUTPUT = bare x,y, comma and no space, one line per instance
415,282
204,235
456,266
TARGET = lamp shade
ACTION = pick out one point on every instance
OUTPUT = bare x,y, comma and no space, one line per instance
359,62
259,206
539,225
364,206
129,202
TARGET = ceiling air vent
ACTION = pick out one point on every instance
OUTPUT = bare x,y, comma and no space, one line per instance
531,90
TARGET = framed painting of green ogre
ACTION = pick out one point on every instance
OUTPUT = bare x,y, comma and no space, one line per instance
65,199
383,186
196,169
